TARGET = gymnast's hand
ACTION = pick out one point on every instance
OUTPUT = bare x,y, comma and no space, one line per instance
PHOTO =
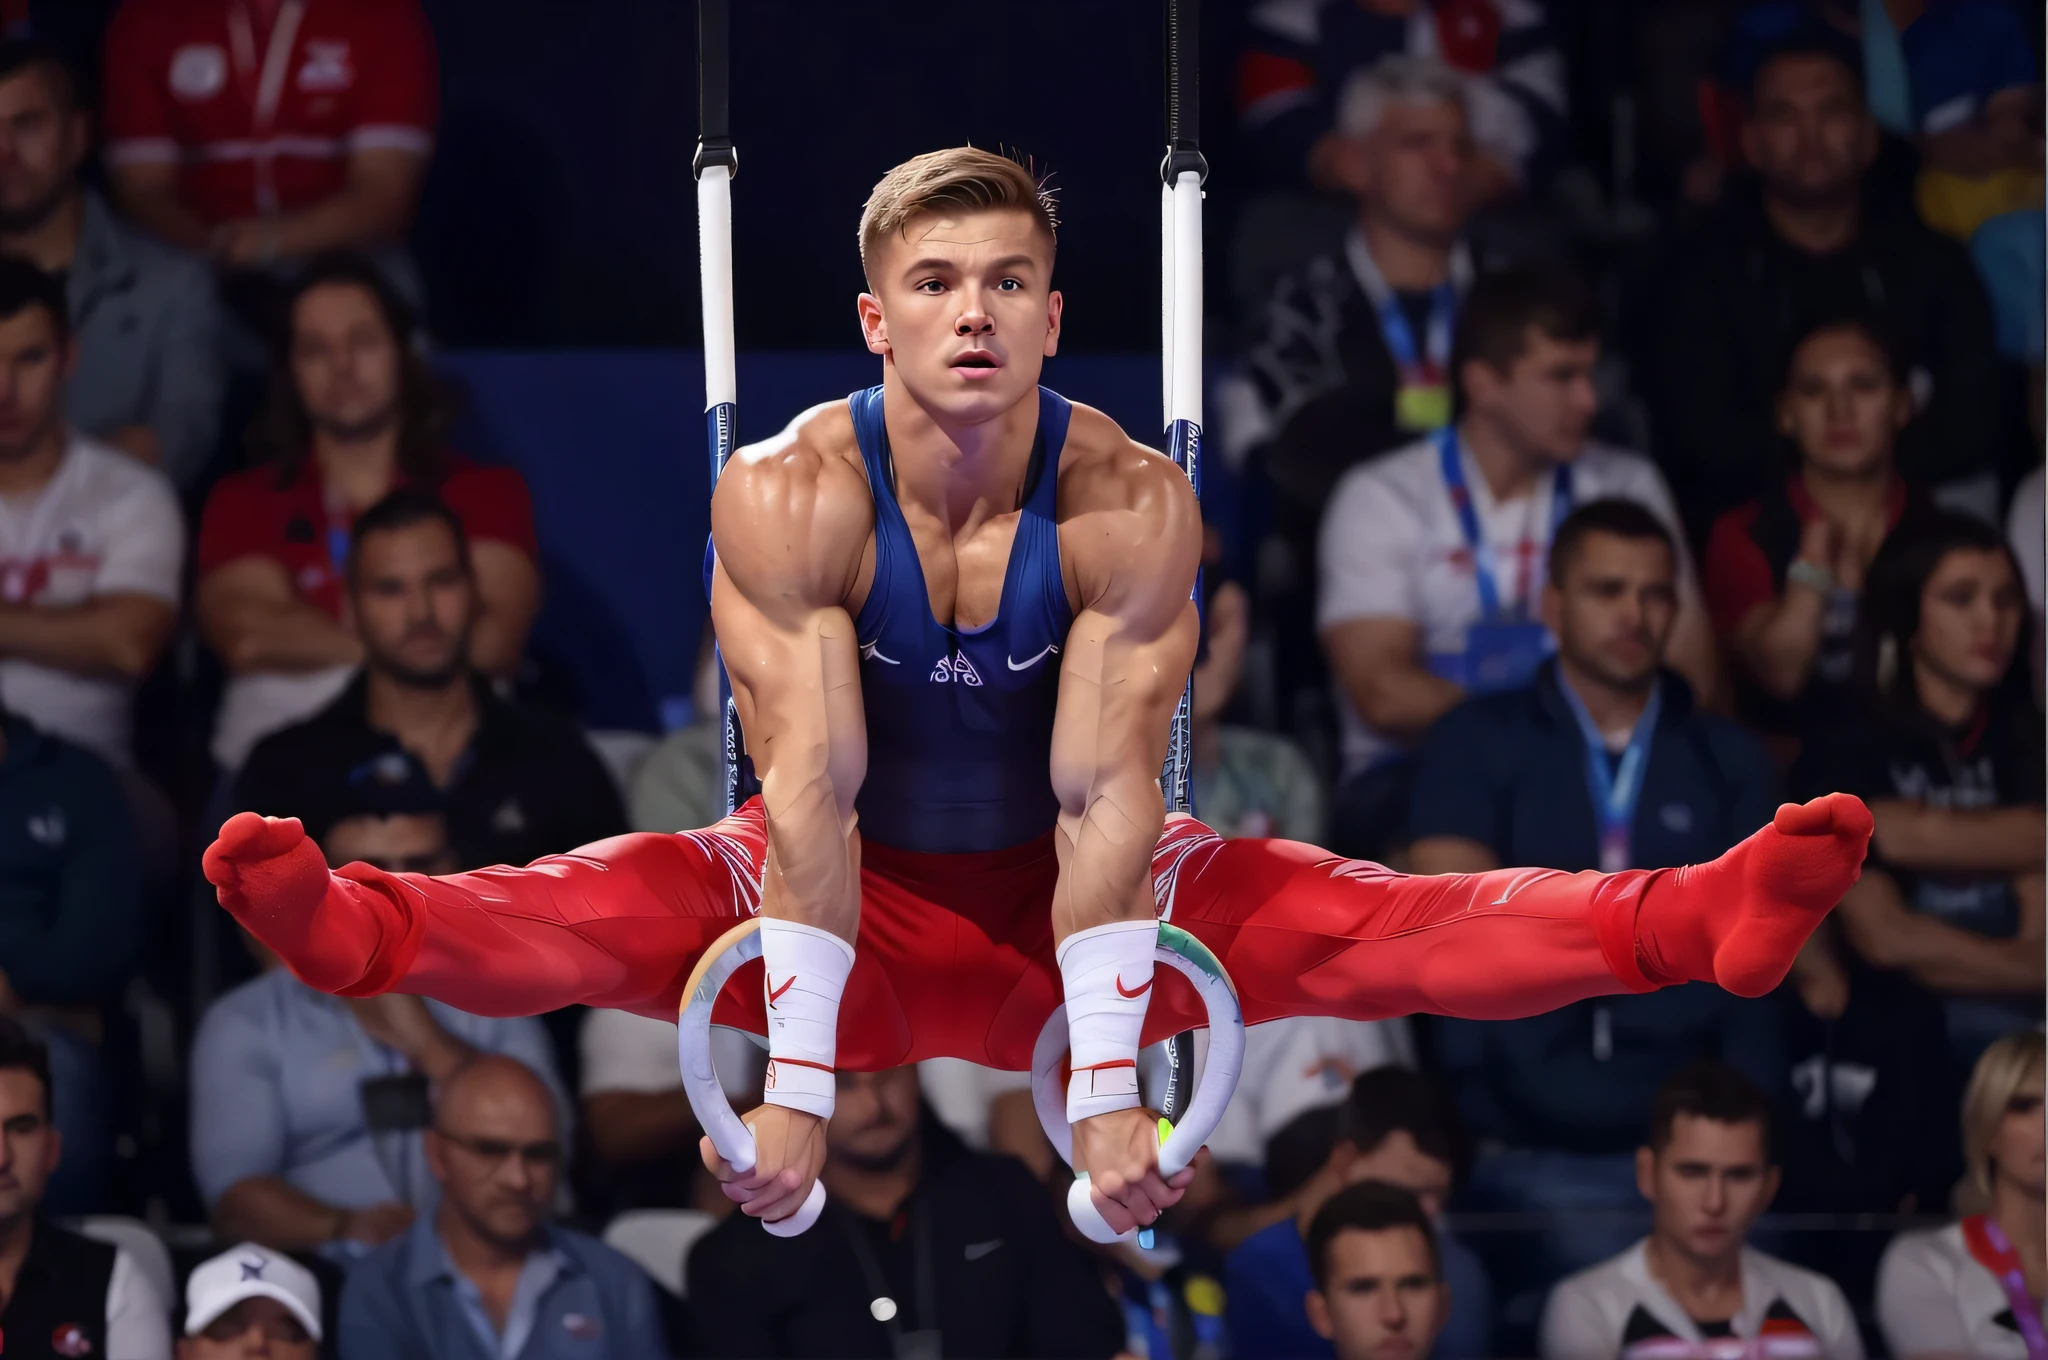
1120,1153
273,879
789,1152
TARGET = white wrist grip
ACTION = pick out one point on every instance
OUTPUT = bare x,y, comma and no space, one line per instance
1216,1084
733,1139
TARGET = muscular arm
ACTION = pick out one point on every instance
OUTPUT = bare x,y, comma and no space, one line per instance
119,635
1134,536
1939,955
1376,662
2005,840
790,523
250,616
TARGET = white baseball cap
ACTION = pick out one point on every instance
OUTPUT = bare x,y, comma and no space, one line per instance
250,1272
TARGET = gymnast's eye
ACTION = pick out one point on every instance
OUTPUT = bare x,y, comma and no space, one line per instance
1011,285
930,287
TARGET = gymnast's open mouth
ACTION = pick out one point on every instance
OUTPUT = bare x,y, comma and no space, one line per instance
976,361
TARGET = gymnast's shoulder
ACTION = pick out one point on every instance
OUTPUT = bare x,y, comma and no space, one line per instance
800,488
1103,469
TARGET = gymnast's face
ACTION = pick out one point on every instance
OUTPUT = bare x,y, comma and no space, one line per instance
963,312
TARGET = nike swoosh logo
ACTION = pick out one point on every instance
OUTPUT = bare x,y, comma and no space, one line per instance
868,653
787,983
977,1250
1130,995
1025,666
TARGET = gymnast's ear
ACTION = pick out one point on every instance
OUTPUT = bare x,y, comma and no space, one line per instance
873,329
1055,305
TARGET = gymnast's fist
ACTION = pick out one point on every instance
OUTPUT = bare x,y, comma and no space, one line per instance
789,1152
1120,1153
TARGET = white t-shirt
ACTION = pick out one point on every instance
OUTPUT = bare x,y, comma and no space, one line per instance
2024,530
138,1321
104,524
1617,1310
622,1051
1392,547
1934,1299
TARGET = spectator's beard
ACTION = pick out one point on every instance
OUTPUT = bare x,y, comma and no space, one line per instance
454,671
33,216
1807,196
354,431
886,1160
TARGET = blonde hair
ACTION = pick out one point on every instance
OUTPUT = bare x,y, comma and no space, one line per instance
2005,1067
958,179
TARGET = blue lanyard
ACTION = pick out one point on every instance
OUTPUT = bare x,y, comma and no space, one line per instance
1400,336
1615,787
1483,575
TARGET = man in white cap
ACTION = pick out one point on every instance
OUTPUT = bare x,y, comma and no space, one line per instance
251,1302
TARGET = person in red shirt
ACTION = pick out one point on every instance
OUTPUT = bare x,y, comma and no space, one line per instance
1783,572
267,130
353,413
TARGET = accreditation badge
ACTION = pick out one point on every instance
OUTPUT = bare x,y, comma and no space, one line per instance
1421,407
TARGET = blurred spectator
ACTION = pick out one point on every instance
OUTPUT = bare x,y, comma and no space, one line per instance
1976,82
1432,557
71,929
148,378
1603,762
1784,572
1397,1129
1865,1126
91,542
1949,756
487,1275
265,132
65,1295
2026,533
307,1109
1353,352
1771,265
518,781
1294,82
920,1236
1247,782
1707,1173
247,1303
636,1118
354,412
680,786
1976,1287
1380,1290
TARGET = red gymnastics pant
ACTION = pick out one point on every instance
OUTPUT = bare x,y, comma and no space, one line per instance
955,952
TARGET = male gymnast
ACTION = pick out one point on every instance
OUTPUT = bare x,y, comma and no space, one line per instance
956,612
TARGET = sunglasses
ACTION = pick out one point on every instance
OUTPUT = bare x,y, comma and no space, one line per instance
546,1153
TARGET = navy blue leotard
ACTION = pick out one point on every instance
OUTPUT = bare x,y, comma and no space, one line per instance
959,721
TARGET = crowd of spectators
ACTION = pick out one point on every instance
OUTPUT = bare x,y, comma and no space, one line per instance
1574,545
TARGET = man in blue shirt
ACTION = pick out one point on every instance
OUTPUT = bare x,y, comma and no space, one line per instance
1601,763
488,1277
1395,1128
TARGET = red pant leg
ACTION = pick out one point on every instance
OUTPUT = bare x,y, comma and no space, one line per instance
1304,932
620,923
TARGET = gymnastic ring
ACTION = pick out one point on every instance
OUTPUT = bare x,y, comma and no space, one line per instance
733,1140
1214,1086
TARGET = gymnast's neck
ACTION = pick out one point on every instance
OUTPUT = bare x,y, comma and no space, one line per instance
962,472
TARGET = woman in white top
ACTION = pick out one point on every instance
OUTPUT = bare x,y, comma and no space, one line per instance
1975,1288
